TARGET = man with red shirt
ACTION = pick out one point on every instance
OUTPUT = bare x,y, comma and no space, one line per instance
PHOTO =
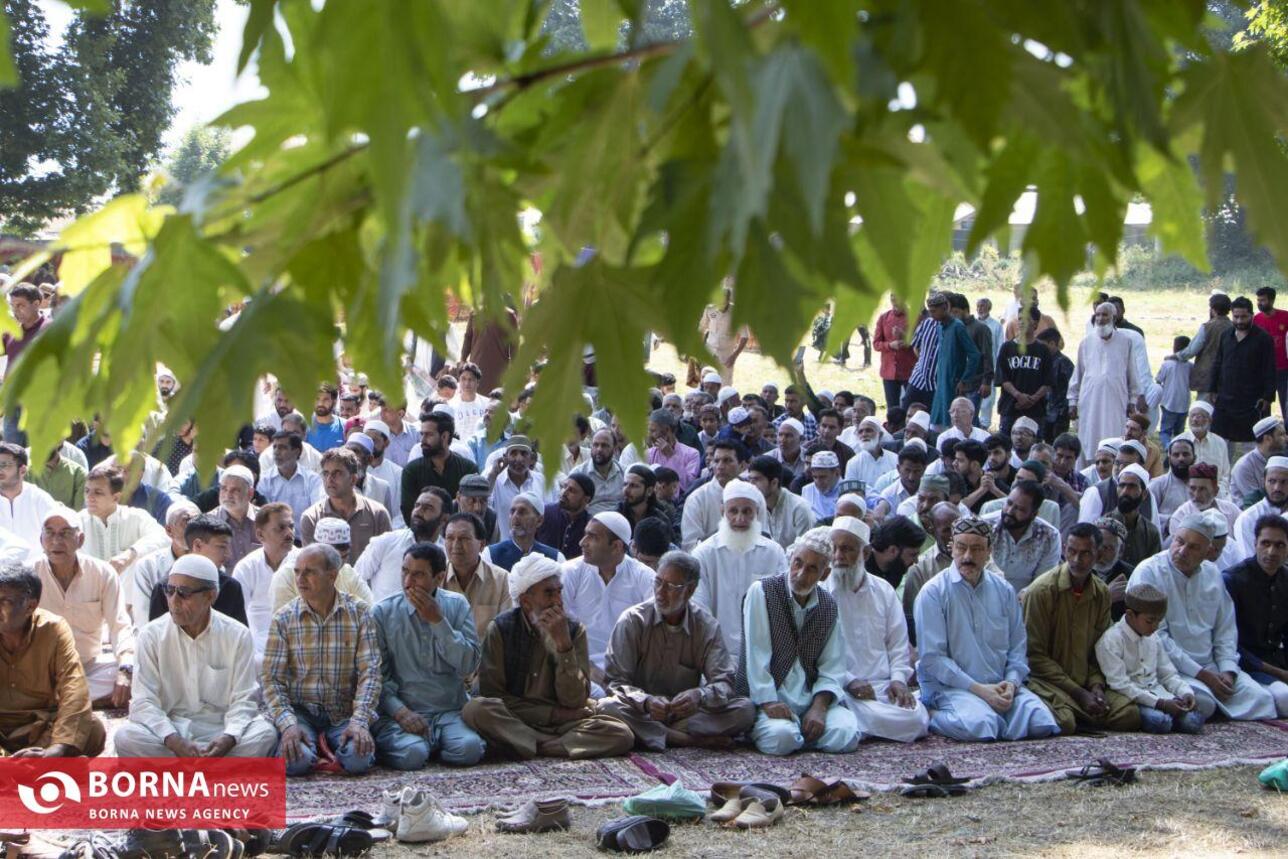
1275,323
897,357
24,303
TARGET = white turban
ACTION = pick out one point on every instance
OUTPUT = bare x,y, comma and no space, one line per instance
1025,423
1136,446
793,424
615,522
197,567
818,540
379,426
530,570
1110,444
1202,406
1137,472
857,527
921,419
741,489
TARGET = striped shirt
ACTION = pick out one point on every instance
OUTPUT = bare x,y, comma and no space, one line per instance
925,340
331,664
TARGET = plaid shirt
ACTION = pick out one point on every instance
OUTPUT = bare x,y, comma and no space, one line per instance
331,663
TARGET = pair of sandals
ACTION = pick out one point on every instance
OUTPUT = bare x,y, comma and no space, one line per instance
351,834
934,782
808,790
635,834
1101,773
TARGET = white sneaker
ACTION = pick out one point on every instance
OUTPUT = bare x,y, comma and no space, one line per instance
389,810
423,819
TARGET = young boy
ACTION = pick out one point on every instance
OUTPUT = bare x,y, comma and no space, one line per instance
1174,376
1136,665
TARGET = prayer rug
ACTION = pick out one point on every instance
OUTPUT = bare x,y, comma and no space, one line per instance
882,765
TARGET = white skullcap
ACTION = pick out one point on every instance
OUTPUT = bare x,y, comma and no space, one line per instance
872,419
825,394
197,567
711,378
1202,406
855,526
1264,426
332,531
1025,423
531,569
530,499
443,409
60,511
818,540
377,426
164,372
916,442
1220,525
1199,523
853,498
615,522
741,489
241,472
179,508
1110,444
1136,471
726,393
921,419
1277,462
793,424
362,440
824,459
738,415
1136,446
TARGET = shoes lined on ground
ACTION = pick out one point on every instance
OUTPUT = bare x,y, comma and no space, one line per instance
760,813
808,790
423,819
934,782
635,834
390,803
536,816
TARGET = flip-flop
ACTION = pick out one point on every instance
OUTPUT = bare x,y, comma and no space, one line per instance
839,793
932,791
1102,772
317,839
938,774
357,818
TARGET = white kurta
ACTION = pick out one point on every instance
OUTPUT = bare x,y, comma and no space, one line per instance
863,466
790,518
876,652
1104,382
126,527
1200,632
726,576
1169,493
1248,476
702,512
24,515
1228,510
1213,450
142,578
598,605
256,579
1245,527
381,564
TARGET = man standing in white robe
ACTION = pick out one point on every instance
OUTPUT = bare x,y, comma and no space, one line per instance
1105,383
876,641
1199,631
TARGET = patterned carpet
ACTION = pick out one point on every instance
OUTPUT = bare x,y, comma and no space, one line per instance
875,766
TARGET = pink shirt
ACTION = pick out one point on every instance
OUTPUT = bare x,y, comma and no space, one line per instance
684,461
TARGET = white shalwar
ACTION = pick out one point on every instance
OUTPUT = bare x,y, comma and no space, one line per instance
727,576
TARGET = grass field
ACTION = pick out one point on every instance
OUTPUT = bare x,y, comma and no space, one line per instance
1162,314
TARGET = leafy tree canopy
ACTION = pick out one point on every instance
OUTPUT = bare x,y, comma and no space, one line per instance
400,139
197,157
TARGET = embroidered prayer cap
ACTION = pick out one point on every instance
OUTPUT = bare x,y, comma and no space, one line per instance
197,567
375,425
615,522
850,487
1220,525
1199,523
794,425
362,440
728,392
1140,449
973,525
855,526
1144,598
332,531
817,540
1137,472
1025,423
738,415
241,472
1202,406
1264,426
1109,523
1203,471
530,499
921,419
824,459
712,378
935,483
521,441
531,569
1277,462
67,514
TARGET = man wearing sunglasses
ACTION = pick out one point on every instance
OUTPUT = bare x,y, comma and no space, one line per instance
194,685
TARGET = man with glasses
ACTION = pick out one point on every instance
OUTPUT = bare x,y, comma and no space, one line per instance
195,687
669,674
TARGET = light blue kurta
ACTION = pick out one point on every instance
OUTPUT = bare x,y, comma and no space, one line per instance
783,736
975,634
1200,632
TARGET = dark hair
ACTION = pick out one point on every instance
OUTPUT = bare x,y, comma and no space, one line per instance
1179,342
428,552
1087,531
1273,521
895,415
912,453
17,451
948,447
582,425
469,367
23,578
206,527
480,530
584,483
684,562
442,421
868,401
1068,441
897,531
330,389
265,430
25,290
973,450
757,400
343,455
997,440
1220,303
830,413
1050,335
1241,303
263,514
666,474
1033,489
768,467
1267,291
441,494
292,440
445,380
652,536
957,301
739,450
109,471
243,457
663,418
956,484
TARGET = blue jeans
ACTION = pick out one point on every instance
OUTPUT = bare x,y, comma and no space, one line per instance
448,735
1157,722
313,723
1170,425
11,431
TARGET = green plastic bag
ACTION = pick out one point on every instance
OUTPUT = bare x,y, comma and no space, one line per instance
1275,776
671,802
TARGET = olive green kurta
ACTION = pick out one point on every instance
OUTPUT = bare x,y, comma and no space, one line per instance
1063,628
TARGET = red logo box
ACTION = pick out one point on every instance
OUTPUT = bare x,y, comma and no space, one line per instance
143,793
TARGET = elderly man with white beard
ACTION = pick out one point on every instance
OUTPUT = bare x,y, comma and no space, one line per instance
1106,381
870,461
1275,486
1208,446
1199,631
1202,488
876,641
792,665
734,557
534,682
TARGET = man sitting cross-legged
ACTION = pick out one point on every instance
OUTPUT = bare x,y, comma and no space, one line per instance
668,670
973,650
793,660
535,678
428,649
1066,611
194,686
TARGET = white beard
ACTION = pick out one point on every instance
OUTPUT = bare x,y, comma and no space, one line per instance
740,542
849,578
1105,331
872,447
